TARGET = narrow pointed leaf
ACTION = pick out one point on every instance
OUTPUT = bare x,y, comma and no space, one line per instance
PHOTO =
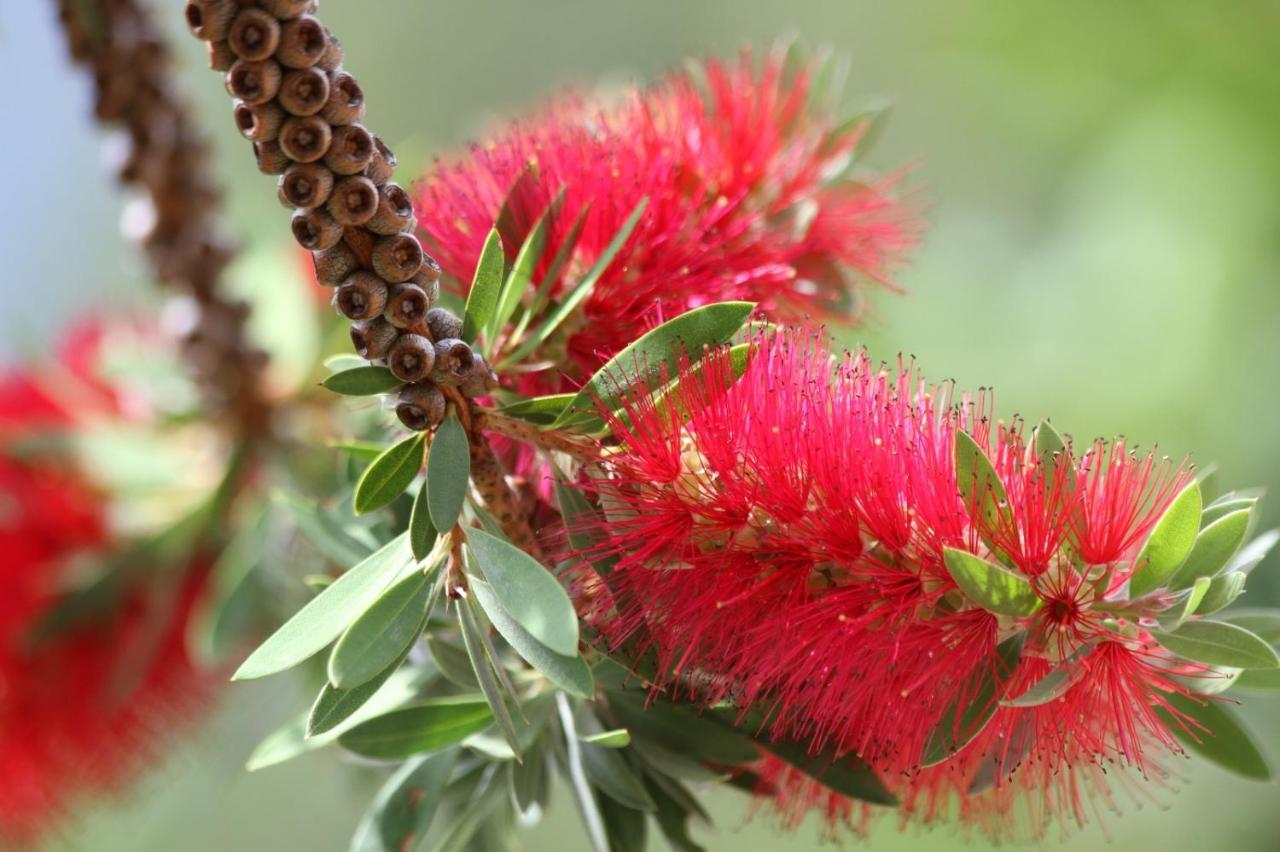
389,475
527,591
617,738
418,728
979,484
1220,644
1225,740
422,532
520,279
570,673
383,633
1259,620
482,298
611,774
1213,549
1258,680
1170,541
483,665
1177,616
1048,439
328,614
1252,553
542,296
844,774
682,730
1221,593
1054,684
406,805
448,473
993,587
362,381
960,724
333,706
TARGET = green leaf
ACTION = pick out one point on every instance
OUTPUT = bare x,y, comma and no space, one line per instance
962,722
617,738
1220,644
673,819
682,730
520,279
845,774
542,296
389,475
1213,549
569,754
486,671
482,298
575,297
224,612
1225,740
333,706
383,633
979,484
448,473
323,531
657,353
1258,680
626,827
527,591
1048,440
994,588
1222,592
452,662
538,408
570,673
530,780
1252,553
1177,617
282,744
362,381
1259,620
422,533
343,361
1169,543
1225,506
1054,684
404,808
327,615
609,771
419,728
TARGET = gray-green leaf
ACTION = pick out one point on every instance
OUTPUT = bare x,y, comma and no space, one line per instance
964,721
1170,541
389,475
362,381
422,533
418,728
406,805
448,473
482,298
527,591
570,673
1224,741
383,633
1220,644
1213,549
991,586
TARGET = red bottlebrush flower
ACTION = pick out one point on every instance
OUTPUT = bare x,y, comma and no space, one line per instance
780,541
83,704
747,199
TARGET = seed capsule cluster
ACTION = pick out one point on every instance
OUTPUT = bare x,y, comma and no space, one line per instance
302,112
176,216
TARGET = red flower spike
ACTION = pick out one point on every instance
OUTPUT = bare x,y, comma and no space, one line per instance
778,542
83,708
745,201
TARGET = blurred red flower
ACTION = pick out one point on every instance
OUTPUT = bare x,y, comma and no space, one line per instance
81,703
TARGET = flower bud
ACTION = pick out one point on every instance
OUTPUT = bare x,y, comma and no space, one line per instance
395,211
305,139
304,91
285,9
210,20
302,42
259,122
351,150
398,257
354,200
421,407
372,339
346,100
481,381
442,324
254,35
407,305
221,56
454,362
306,185
272,160
315,229
383,164
362,296
411,357
333,265
254,82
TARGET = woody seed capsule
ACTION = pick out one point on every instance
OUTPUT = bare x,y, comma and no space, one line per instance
306,185
346,100
221,56
351,150
481,381
428,283
315,229
411,357
331,59
395,211
304,91
397,258
372,339
254,82
254,34
383,164
272,160
305,139
362,296
260,122
454,362
442,324
285,9
354,200
407,305
210,20
333,265
302,42
421,407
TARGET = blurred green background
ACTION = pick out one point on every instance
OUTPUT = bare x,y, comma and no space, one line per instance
1104,247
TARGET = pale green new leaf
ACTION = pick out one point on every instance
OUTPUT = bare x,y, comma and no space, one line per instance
993,587
482,298
1219,643
1170,541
